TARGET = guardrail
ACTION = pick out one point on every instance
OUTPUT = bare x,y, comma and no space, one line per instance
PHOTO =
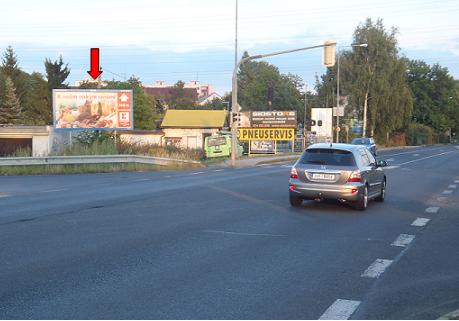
92,159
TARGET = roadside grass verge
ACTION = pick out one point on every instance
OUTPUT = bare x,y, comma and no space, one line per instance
85,168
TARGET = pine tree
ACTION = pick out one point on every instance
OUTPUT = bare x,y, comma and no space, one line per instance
56,73
10,109
10,63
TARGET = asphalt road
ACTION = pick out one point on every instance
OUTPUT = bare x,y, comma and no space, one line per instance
225,244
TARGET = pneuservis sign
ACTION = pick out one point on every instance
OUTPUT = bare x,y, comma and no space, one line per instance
278,134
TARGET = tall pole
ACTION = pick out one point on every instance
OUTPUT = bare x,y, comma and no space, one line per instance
235,33
304,118
337,97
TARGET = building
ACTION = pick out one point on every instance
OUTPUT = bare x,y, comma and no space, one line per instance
209,98
189,128
41,140
165,92
203,90
194,89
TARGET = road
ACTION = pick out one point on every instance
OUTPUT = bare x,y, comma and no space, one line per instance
225,244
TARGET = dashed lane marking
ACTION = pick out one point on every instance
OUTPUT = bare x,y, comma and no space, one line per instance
416,155
423,158
219,170
243,234
197,173
4,195
447,192
403,240
456,181
376,268
340,310
432,209
391,167
141,180
53,190
390,159
420,221
452,186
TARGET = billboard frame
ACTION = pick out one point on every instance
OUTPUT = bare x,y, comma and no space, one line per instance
93,90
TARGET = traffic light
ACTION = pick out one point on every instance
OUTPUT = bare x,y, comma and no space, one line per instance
328,54
236,117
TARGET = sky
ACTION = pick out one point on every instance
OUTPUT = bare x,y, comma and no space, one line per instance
194,40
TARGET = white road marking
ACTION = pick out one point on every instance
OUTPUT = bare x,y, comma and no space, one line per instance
197,173
441,198
456,181
447,192
423,158
263,165
376,268
390,159
340,310
244,234
53,190
4,195
420,221
219,170
452,186
391,167
416,155
286,165
432,209
141,180
403,240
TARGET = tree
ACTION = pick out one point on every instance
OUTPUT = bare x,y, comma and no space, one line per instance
435,95
38,105
374,79
10,109
263,87
10,68
56,73
180,97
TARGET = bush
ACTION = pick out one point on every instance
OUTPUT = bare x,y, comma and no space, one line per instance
418,134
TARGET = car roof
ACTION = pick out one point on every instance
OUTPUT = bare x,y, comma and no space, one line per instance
339,146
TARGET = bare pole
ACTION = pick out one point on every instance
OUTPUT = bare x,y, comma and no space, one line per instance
337,97
304,118
235,33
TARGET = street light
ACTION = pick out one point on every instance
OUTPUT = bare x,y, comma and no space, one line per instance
235,106
363,45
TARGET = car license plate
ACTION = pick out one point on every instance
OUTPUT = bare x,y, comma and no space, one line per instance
324,177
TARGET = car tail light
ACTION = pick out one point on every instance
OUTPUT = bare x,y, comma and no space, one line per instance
293,173
354,178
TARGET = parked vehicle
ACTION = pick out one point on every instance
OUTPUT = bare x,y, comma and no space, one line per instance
368,143
344,172
219,146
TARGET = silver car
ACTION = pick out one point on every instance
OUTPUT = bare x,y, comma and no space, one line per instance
344,172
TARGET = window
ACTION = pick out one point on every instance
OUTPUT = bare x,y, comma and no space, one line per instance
321,156
365,159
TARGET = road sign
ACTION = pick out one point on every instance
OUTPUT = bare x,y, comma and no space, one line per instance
266,134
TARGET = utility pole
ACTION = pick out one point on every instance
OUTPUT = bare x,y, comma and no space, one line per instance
337,96
235,105
304,118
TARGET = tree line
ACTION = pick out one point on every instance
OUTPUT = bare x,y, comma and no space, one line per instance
394,94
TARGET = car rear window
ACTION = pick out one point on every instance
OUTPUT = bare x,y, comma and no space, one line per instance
327,156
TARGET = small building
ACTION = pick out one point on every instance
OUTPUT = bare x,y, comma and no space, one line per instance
41,140
189,128
208,99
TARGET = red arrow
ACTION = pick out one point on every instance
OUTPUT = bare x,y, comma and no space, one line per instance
95,67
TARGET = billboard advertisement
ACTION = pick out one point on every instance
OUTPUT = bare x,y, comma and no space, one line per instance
262,147
268,119
100,109
266,134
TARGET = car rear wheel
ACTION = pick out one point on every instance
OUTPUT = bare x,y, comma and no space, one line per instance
362,203
382,196
295,201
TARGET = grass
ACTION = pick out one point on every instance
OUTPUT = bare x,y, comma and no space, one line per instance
84,168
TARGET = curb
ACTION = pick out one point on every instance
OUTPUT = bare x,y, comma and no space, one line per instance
450,316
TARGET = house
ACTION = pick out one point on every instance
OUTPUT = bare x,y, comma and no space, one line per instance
193,89
189,128
208,99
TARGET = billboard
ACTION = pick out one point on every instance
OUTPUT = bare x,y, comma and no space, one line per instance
268,119
266,134
100,109
262,147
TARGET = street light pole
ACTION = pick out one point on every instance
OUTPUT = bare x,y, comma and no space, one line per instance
235,105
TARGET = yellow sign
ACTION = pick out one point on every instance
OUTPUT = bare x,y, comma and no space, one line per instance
266,133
